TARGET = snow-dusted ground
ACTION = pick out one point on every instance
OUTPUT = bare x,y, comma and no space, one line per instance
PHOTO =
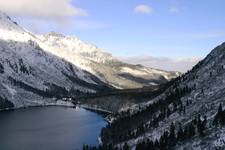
95,108
44,103
208,80
22,59
65,61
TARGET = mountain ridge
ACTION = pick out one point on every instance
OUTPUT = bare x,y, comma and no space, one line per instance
196,95
38,66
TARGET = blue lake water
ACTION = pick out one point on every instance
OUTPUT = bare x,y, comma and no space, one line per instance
49,128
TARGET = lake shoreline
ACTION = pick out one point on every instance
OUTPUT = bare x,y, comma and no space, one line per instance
54,113
102,112
70,105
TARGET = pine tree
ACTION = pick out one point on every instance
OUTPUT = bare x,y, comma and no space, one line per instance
156,144
186,134
210,74
172,136
187,103
180,133
184,110
191,130
219,117
181,108
126,147
204,123
195,120
85,147
199,124
220,110
168,112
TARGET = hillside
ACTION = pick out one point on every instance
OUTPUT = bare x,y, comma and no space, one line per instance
31,76
101,64
36,69
184,116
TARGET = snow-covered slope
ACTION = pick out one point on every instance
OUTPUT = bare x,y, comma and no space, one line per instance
196,94
102,64
28,73
88,57
33,64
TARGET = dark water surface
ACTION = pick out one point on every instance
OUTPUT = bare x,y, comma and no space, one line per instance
49,128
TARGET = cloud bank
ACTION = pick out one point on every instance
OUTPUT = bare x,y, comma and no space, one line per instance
44,9
41,16
181,65
143,9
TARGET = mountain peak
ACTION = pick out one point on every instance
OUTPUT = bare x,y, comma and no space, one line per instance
59,36
55,34
4,15
6,23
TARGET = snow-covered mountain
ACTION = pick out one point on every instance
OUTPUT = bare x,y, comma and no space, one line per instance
30,75
35,66
184,116
102,64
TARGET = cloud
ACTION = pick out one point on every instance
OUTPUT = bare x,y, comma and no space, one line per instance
179,64
44,9
41,16
143,9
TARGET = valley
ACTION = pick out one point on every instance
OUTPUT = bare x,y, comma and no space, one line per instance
144,108
35,69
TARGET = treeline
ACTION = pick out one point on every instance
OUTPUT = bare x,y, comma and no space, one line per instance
99,87
176,133
1,68
21,66
107,147
53,90
5,103
29,88
169,139
219,118
132,126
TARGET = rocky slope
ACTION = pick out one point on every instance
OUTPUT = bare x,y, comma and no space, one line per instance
185,112
36,68
88,57
30,75
102,64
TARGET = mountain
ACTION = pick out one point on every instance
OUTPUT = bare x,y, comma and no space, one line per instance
102,64
92,59
32,76
188,114
37,69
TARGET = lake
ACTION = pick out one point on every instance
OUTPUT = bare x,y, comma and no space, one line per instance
49,128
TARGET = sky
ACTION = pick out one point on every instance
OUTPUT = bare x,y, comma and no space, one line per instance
173,29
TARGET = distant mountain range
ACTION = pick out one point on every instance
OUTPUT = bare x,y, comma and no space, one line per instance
36,69
164,63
